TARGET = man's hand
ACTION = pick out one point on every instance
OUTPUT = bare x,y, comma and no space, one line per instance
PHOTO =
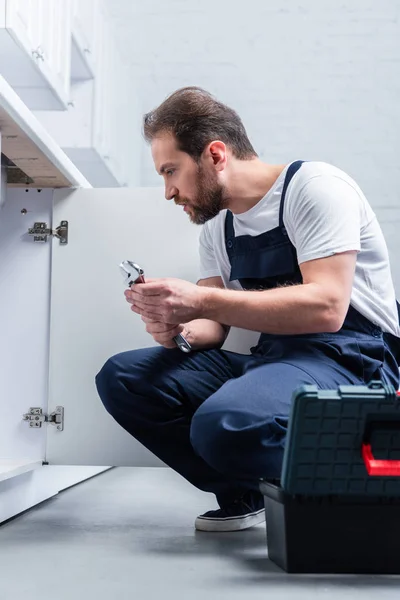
163,333
170,301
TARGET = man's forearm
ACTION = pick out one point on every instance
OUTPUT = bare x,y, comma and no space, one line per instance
203,334
286,310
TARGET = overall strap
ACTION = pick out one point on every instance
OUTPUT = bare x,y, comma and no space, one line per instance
229,229
229,232
292,170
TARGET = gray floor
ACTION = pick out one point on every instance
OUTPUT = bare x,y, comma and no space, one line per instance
128,533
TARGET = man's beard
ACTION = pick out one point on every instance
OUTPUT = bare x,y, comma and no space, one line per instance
210,199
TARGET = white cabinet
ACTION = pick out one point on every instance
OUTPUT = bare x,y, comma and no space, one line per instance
101,129
55,37
23,21
35,50
24,316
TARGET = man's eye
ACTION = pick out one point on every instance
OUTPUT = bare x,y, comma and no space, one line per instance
169,171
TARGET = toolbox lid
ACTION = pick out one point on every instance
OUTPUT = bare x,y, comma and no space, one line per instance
344,441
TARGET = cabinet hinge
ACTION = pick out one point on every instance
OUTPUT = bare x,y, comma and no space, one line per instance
40,232
36,417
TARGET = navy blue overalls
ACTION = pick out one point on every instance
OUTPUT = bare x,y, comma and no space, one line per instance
220,418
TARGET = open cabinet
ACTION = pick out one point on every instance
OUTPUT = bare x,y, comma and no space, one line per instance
90,319
33,165
64,313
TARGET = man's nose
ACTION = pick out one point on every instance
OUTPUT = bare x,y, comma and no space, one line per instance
170,193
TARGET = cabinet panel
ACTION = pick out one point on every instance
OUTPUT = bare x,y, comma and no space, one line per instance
24,309
56,39
85,330
88,327
22,17
35,48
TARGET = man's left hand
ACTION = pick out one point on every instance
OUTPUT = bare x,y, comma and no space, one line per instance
167,300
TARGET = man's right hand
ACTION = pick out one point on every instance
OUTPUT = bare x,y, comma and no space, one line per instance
163,333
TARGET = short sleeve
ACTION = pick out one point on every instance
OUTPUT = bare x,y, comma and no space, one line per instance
208,263
324,218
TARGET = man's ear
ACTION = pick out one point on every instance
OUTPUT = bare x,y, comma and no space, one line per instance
217,153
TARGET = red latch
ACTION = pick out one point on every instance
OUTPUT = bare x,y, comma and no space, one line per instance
386,468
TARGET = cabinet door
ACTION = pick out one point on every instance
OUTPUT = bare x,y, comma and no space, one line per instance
55,40
23,19
42,28
24,342
90,318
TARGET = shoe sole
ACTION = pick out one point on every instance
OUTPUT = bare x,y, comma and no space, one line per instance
230,523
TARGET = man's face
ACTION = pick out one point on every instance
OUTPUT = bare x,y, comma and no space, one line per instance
195,185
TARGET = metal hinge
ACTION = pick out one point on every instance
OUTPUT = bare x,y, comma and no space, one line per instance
40,232
36,417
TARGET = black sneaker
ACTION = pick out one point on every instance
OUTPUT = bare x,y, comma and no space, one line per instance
243,513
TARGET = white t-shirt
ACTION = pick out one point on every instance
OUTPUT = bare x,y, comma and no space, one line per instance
325,213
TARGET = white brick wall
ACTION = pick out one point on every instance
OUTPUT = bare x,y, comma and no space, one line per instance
312,79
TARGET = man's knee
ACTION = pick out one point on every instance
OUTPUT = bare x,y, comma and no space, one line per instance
213,436
233,443
107,381
113,377
128,376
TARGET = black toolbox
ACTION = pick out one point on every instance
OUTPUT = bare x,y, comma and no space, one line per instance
336,508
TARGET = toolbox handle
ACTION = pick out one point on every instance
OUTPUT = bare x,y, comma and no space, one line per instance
382,468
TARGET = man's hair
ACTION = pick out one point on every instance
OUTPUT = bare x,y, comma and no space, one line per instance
196,118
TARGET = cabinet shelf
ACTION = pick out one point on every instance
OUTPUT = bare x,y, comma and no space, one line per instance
11,468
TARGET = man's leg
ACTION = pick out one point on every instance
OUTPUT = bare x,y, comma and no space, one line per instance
154,392
240,430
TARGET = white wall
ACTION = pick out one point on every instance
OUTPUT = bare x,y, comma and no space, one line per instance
310,79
